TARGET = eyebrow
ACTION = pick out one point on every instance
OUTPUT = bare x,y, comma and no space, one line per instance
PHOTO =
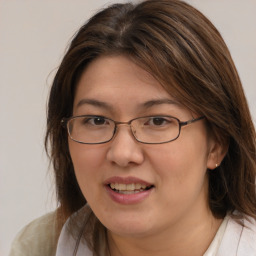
145,105
152,103
95,103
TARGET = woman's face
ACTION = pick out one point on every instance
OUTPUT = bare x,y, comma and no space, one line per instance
117,88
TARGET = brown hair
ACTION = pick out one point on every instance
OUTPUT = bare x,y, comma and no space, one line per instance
187,55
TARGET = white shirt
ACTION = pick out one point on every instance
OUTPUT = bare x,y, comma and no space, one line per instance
215,244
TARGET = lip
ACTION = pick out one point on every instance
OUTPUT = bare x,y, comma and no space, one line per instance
126,180
127,199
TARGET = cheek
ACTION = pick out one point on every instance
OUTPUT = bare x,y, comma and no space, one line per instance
181,165
86,157
181,178
87,160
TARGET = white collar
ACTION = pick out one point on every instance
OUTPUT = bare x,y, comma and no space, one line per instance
68,246
215,244
239,240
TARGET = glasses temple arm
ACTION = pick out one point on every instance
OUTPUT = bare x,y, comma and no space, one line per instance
191,121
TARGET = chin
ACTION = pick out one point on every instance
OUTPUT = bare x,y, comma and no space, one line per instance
130,226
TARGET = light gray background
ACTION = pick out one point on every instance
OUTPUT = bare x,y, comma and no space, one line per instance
33,38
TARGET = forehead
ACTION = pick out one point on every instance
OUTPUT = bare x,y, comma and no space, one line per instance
117,74
117,85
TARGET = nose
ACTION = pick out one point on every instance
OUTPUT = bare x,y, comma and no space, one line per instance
124,150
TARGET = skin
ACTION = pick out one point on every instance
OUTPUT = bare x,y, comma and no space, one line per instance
175,216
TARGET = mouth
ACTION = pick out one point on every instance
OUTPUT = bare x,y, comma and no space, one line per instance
128,189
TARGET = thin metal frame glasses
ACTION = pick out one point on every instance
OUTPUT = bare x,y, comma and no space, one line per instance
90,129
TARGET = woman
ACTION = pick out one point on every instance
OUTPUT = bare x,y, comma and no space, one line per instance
151,140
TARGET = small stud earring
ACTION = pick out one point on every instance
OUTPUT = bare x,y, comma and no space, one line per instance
216,165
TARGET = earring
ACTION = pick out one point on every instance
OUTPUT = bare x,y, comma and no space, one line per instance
216,165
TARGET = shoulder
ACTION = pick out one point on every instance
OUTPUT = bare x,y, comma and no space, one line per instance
247,245
240,238
71,240
38,238
78,234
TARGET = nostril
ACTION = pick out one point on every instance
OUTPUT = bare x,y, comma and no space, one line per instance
124,149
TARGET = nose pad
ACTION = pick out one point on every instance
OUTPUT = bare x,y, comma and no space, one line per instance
124,149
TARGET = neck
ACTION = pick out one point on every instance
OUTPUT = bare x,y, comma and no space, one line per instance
170,241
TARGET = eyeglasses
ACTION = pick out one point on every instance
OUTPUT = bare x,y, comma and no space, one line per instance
88,129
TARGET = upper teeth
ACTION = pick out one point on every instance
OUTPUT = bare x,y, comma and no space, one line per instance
132,186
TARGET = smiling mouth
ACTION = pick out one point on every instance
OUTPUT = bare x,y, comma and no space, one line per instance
127,189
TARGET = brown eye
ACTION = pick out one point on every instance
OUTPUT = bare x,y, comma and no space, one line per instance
95,121
99,121
157,121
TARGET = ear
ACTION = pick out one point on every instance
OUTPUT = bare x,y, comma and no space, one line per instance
217,152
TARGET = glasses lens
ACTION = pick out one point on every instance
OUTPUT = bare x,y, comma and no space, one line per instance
91,129
155,129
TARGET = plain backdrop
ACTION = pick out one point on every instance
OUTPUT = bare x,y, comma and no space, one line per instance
33,38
